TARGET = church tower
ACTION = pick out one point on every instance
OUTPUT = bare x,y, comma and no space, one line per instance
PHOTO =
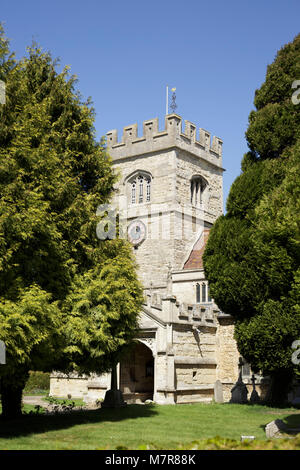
170,190
168,196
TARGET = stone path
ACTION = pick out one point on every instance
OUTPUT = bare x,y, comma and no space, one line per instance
35,400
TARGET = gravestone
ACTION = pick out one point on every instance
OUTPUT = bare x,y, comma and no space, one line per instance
277,429
254,398
239,392
218,392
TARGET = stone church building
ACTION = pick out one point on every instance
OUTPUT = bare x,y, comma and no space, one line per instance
168,196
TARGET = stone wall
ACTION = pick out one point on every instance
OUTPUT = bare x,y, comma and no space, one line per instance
61,386
194,396
194,374
187,166
227,354
184,284
191,344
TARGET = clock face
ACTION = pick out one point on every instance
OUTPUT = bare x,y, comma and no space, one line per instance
136,232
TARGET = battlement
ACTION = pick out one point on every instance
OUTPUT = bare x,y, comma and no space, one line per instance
172,136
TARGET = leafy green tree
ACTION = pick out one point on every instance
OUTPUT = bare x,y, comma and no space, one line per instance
7,60
252,257
68,301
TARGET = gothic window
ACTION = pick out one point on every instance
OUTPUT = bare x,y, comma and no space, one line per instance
208,295
148,190
133,189
198,187
203,293
197,195
198,293
140,188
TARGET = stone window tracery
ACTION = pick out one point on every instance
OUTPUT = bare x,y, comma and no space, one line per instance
208,294
140,188
198,293
148,190
202,293
133,190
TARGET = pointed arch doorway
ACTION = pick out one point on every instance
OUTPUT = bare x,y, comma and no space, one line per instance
137,374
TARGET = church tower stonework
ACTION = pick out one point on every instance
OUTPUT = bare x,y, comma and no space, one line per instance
168,196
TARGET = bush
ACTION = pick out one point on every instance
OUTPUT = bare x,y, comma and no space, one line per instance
220,443
38,381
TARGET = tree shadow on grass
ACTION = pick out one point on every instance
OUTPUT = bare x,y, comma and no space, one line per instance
267,407
288,426
293,421
40,423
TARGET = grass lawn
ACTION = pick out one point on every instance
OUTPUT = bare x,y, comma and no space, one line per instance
163,426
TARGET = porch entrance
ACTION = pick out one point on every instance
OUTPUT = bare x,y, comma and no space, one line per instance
137,375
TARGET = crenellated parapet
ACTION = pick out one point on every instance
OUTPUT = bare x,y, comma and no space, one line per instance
200,144
198,313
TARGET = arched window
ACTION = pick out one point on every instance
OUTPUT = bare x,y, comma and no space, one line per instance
139,187
203,293
208,294
198,187
148,190
133,189
198,293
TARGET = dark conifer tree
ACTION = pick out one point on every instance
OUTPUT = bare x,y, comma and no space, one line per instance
252,257
68,301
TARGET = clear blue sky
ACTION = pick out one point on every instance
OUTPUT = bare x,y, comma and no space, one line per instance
126,52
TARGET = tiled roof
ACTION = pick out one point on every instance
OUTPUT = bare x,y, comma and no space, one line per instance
195,259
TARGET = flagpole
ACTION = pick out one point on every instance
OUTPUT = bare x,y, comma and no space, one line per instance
167,104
